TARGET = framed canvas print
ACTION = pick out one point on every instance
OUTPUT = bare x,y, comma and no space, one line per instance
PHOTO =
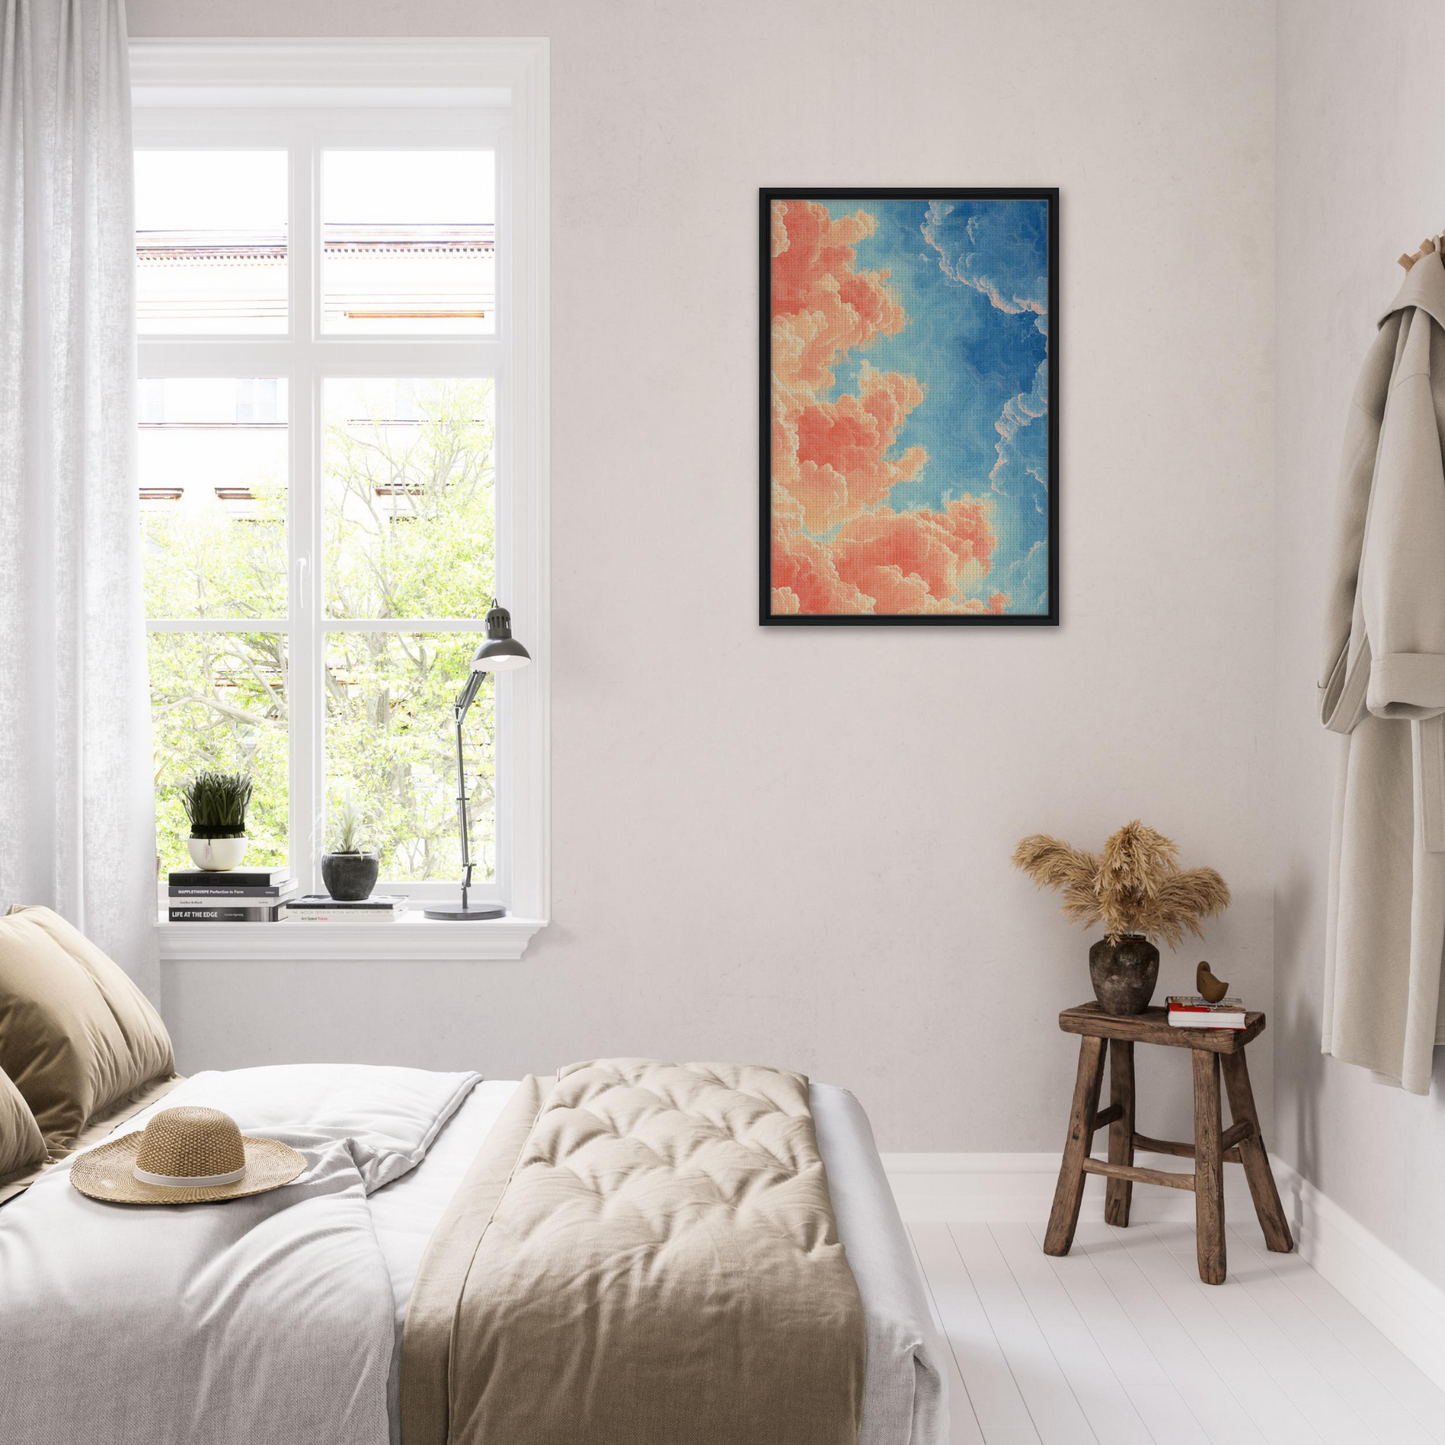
910,407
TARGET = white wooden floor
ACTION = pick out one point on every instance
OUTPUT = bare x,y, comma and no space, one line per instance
1120,1344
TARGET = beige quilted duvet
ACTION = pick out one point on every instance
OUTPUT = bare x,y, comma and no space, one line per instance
643,1254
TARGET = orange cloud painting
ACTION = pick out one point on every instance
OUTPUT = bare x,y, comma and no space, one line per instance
908,457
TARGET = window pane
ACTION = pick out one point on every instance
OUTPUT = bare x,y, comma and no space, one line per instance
390,749
213,496
218,701
210,242
410,513
409,242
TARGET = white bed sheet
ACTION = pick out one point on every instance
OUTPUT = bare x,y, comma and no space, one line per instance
268,1320
905,1399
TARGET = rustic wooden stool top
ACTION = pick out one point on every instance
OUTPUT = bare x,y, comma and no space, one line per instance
1213,1146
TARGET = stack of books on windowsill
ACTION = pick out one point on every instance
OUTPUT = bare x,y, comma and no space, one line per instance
318,908
239,895
1193,1011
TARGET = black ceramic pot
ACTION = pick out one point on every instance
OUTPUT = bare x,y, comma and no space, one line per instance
1124,973
350,877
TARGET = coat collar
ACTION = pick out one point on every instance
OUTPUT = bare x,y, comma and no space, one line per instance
1424,287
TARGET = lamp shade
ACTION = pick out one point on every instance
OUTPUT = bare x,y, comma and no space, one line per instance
501,651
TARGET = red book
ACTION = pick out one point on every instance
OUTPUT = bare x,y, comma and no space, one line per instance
1191,1011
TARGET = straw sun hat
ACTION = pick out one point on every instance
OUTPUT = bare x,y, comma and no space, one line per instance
186,1155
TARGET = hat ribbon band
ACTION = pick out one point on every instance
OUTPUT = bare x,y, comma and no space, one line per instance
189,1181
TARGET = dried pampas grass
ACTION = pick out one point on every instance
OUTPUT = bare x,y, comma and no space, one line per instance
1134,886
1070,871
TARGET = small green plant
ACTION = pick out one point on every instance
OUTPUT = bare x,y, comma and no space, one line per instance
347,832
216,804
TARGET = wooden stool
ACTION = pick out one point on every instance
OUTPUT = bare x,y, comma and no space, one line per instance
1241,1143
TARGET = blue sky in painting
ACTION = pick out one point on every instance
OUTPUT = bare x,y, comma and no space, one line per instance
973,277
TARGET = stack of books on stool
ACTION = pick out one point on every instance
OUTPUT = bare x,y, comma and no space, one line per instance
1194,1011
239,895
318,908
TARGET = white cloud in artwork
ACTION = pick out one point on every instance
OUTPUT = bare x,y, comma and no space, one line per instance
990,246
1027,581
1023,449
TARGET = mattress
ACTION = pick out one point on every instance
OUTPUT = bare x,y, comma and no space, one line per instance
904,1401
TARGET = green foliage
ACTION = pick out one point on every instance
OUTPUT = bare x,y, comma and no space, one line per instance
409,529
202,562
218,703
409,514
389,744
215,804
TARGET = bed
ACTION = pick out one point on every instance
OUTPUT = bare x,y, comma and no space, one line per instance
87,1346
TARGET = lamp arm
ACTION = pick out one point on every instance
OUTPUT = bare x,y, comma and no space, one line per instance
460,707
467,695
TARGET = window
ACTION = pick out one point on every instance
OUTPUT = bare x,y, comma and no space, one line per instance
341,440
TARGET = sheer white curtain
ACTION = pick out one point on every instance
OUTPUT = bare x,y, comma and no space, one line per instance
76,799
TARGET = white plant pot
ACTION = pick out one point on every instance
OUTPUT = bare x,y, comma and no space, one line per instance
217,854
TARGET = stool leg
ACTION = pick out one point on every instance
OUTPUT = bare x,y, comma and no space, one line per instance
1208,1168
1255,1157
1064,1218
1119,1193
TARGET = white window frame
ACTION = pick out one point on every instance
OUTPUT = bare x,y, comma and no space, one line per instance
385,94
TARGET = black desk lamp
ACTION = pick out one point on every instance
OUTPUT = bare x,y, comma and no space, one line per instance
499,653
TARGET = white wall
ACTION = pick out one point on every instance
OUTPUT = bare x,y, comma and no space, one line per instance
1361,178
791,846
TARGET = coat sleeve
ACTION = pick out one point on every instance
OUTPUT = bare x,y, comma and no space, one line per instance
1402,567
1344,676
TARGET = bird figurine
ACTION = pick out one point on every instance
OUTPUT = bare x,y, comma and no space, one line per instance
1210,987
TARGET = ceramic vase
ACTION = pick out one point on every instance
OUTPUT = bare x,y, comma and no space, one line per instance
1124,973
349,877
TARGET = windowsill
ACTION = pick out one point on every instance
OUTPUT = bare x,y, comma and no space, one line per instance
411,937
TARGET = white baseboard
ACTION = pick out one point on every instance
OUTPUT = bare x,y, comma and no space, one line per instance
1005,1188
1405,1306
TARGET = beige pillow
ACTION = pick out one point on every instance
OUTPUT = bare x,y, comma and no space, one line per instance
76,1035
21,1145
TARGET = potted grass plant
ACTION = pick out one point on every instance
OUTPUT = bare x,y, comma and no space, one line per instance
1137,890
216,805
350,869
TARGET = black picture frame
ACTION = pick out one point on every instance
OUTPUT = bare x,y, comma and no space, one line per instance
766,196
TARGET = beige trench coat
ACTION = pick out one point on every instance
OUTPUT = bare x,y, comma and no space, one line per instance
1384,688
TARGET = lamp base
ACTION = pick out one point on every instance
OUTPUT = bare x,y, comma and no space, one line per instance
459,912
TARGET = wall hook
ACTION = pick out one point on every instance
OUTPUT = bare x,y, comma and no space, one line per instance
1427,248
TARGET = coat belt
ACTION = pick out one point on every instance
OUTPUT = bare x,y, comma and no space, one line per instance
1343,707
